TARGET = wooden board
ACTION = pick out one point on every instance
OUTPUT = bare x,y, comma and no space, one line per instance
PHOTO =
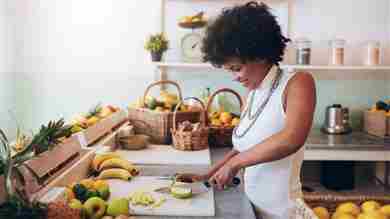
165,155
201,204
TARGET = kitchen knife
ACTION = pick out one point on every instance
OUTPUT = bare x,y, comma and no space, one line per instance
189,178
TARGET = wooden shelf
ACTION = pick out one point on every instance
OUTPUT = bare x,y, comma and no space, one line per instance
291,67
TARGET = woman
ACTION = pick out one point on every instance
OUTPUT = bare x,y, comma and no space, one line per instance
268,142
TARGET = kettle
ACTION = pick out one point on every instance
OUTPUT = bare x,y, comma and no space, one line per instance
336,120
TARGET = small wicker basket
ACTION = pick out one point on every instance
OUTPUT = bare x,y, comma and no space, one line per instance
221,136
191,140
158,124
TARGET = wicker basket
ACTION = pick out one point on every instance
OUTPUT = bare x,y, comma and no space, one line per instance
331,201
221,136
158,124
191,140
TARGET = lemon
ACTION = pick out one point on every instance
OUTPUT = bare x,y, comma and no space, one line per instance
372,215
341,215
181,192
370,206
321,212
349,208
385,210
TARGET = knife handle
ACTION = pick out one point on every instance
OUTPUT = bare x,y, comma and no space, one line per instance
235,182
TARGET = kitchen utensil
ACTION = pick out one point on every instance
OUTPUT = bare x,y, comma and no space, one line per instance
196,188
189,178
336,120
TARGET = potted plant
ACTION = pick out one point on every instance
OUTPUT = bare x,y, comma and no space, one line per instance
157,44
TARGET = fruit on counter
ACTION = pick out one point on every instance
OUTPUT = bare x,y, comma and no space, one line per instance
368,210
118,207
94,115
385,210
115,173
349,208
69,194
225,119
321,212
193,19
61,210
166,102
95,208
369,206
181,192
372,215
100,158
119,163
103,189
88,183
76,204
341,215
141,198
80,192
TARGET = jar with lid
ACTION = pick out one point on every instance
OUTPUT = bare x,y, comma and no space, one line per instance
303,51
336,56
372,53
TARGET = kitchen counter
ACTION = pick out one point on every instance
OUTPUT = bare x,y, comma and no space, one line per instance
356,146
353,141
230,204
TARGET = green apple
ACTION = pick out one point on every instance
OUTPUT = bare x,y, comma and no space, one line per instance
75,204
118,207
95,208
104,192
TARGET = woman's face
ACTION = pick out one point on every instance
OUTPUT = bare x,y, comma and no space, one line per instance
250,74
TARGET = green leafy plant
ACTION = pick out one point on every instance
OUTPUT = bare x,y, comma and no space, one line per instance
157,43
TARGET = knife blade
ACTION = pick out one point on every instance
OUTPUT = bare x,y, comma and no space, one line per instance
197,188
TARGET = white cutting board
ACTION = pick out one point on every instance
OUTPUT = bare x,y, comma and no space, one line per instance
199,205
166,155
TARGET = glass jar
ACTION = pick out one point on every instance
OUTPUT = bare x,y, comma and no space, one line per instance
372,53
303,51
336,56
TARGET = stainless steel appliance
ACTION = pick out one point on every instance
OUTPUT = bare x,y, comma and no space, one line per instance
336,120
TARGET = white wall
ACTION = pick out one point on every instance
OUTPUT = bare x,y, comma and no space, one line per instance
72,54
7,85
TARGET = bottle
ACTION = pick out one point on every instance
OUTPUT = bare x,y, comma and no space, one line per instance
337,52
303,51
372,53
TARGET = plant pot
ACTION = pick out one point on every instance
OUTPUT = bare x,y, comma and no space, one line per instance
156,56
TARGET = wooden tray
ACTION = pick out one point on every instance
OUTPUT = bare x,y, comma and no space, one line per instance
94,133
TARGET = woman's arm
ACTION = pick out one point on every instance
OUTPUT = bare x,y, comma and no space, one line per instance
300,106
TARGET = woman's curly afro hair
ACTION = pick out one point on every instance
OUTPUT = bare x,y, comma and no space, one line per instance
248,32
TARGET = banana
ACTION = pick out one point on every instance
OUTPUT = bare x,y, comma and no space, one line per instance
119,163
115,173
100,158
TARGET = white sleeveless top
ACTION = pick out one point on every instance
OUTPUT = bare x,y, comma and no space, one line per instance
271,187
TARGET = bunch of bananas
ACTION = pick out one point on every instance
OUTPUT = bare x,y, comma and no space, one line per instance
112,166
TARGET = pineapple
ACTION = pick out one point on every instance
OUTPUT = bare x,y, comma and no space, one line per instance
61,209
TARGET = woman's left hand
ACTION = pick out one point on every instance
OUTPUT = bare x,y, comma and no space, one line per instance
224,175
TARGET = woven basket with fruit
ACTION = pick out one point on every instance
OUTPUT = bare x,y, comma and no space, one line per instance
348,207
154,116
222,123
189,136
